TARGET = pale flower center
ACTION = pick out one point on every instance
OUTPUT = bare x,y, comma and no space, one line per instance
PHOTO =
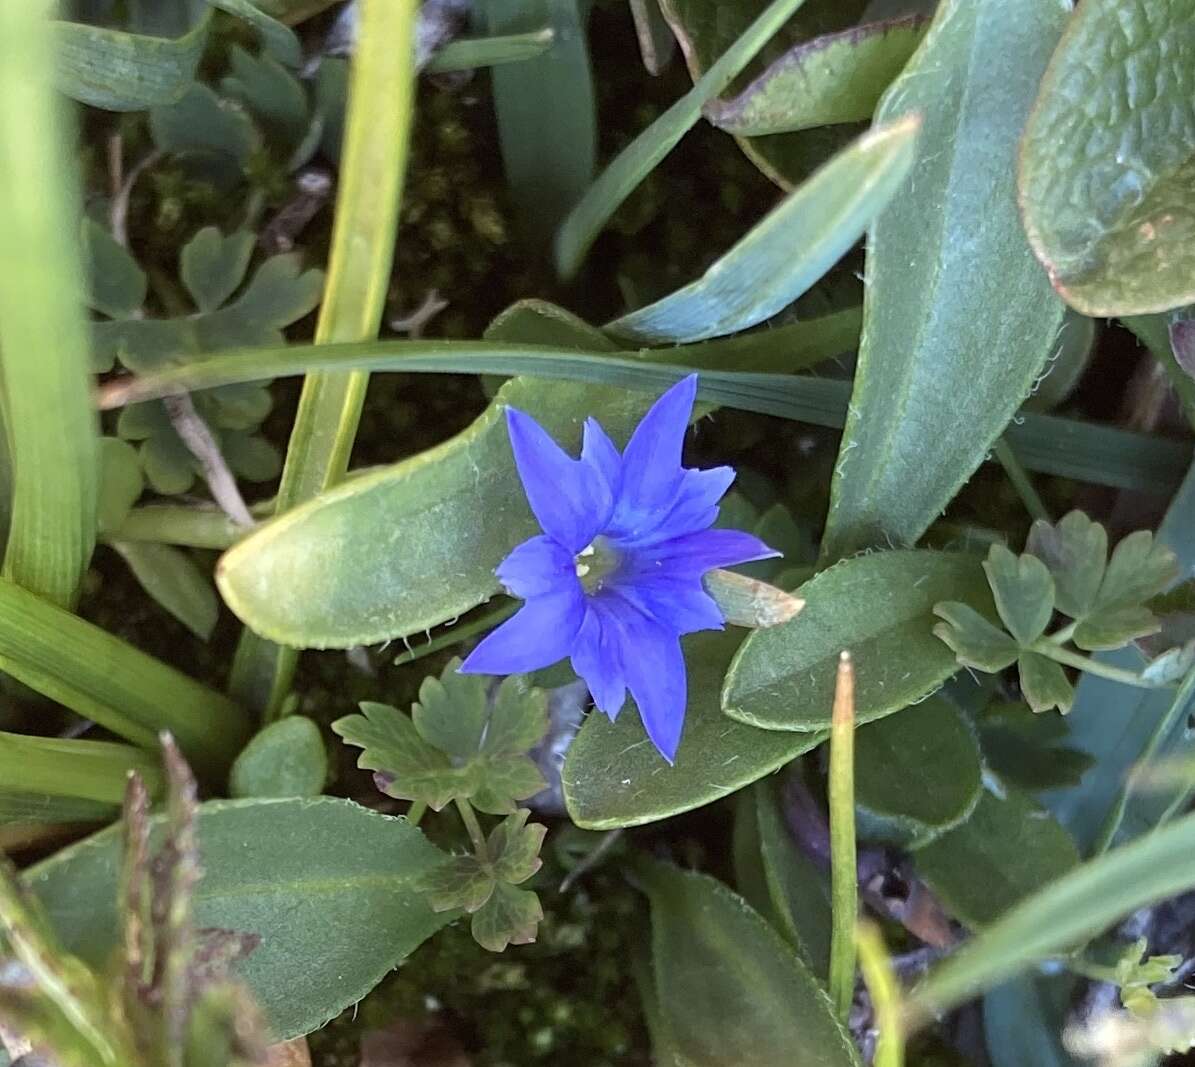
597,563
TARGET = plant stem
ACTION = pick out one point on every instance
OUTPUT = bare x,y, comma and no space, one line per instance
469,818
1020,479
885,995
373,163
1091,666
416,812
844,879
1061,637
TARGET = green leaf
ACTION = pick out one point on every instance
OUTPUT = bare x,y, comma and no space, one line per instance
761,274
1023,1021
974,640
1076,551
287,758
126,71
1028,751
613,777
729,989
1106,169
877,606
278,39
946,261
410,768
510,917
121,483
1024,593
173,579
1008,849
1077,338
212,266
198,124
328,887
835,78
279,293
514,848
49,421
463,882
1066,911
73,767
641,156
1044,684
1116,628
116,284
546,111
470,53
917,775
706,28
104,679
790,889
1139,569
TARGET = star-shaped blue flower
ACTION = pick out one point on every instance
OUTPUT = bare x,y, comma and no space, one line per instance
615,578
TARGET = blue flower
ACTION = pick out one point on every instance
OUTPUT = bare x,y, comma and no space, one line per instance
615,578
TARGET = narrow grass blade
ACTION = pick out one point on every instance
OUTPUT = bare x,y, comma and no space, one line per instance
104,679
470,53
44,370
85,770
1047,444
373,163
885,995
642,155
844,880
1069,910
789,250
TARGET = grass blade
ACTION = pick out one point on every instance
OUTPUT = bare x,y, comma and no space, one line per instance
373,163
638,159
1069,910
844,879
104,679
790,249
45,365
69,767
470,53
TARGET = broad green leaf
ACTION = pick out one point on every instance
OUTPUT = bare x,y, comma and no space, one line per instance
274,96
761,275
1077,338
614,777
946,261
798,890
546,110
174,580
126,71
1023,590
730,990
287,758
212,266
104,679
327,885
275,37
1023,1021
917,774
1064,912
116,284
121,483
1115,628
372,165
1106,168
637,160
200,126
835,78
879,607
1139,569
514,847
974,640
1044,684
1030,751
49,422
706,28
1076,551
1007,850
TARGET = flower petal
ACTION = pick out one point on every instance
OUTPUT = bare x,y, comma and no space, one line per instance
537,566
693,554
681,605
597,658
542,632
693,508
568,496
655,672
602,455
651,461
